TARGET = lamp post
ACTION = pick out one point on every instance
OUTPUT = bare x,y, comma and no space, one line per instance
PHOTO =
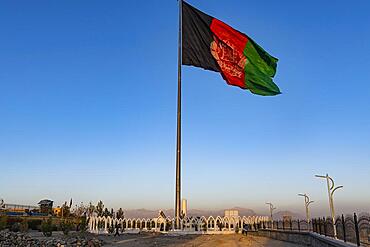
331,190
272,208
307,203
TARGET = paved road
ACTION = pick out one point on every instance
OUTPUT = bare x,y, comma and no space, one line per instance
160,240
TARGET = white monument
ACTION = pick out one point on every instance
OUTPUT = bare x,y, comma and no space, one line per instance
184,208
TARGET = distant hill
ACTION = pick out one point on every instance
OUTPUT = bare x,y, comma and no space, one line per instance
145,213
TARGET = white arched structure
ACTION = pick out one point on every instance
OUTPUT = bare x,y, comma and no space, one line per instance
204,225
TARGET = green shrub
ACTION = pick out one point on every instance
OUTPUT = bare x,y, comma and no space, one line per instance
34,224
24,226
3,222
16,227
11,221
111,229
83,224
47,227
66,226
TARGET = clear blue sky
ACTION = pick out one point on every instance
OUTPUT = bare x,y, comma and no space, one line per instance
88,106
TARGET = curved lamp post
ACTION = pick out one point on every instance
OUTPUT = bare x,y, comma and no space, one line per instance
272,208
331,190
307,203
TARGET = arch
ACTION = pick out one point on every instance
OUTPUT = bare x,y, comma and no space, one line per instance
219,224
211,222
203,224
138,224
193,224
143,224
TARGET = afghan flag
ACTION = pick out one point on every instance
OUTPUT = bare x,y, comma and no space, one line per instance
210,44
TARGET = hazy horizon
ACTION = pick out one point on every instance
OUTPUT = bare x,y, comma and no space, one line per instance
88,107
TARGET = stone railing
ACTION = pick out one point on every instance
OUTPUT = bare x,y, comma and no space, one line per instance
302,238
200,225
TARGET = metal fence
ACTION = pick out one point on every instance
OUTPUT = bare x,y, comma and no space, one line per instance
350,228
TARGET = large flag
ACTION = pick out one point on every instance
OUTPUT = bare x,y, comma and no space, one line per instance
213,45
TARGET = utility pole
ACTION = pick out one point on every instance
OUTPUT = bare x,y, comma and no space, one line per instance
307,203
331,190
272,208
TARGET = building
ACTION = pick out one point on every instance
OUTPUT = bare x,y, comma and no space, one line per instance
184,207
16,209
46,206
57,211
287,218
231,213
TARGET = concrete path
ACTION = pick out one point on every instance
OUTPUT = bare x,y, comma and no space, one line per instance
160,240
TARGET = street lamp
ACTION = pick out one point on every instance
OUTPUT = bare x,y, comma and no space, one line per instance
272,208
331,190
307,203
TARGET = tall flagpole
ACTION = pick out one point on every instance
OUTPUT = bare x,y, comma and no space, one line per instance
178,143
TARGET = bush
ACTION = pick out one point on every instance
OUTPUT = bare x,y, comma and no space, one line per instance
16,227
34,224
3,222
66,226
11,221
47,227
83,224
24,226
111,229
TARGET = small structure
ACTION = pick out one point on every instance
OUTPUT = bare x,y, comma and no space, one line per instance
46,206
230,213
16,208
287,218
184,208
57,211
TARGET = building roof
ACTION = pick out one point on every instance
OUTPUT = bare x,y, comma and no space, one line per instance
46,202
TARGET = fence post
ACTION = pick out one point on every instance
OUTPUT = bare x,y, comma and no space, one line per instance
283,224
344,229
299,226
320,225
291,226
325,226
356,229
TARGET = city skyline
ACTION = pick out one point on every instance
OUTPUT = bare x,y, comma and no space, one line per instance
88,106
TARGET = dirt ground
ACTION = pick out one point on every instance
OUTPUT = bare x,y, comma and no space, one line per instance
161,240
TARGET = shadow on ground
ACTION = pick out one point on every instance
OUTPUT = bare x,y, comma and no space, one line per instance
162,240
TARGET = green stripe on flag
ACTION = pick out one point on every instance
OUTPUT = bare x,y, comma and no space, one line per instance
259,70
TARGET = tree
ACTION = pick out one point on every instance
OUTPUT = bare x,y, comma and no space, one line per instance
47,227
120,214
80,210
106,212
66,226
83,224
100,208
3,222
90,209
66,211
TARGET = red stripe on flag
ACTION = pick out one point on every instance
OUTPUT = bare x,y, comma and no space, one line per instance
227,48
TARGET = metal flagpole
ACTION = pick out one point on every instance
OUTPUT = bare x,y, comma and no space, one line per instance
178,143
